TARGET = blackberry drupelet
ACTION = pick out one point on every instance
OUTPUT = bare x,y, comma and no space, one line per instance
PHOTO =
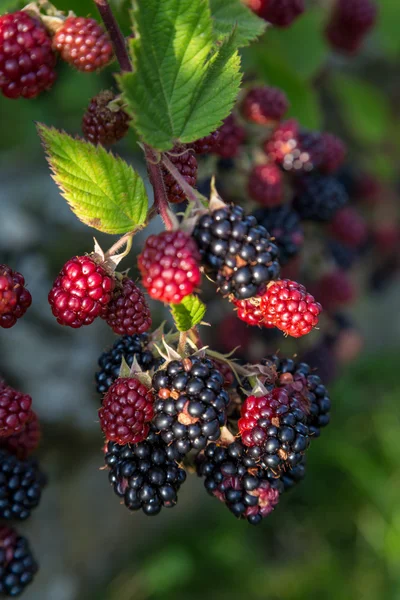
127,347
21,484
237,251
191,403
290,478
318,197
17,564
284,225
145,475
232,476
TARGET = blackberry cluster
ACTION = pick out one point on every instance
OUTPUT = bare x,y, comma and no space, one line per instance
318,197
127,347
191,403
237,251
17,564
314,392
232,475
284,225
21,484
145,475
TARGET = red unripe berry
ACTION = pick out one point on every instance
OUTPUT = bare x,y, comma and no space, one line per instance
126,411
334,153
100,125
265,185
83,43
350,22
169,265
80,292
186,163
15,411
293,149
264,105
250,311
25,442
27,60
334,290
127,312
14,297
231,135
280,13
348,226
290,308
259,408
206,144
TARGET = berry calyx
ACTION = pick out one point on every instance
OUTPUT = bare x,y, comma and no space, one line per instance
264,105
100,124
127,312
126,411
27,60
265,185
80,292
169,265
14,297
290,308
17,564
15,411
231,135
186,164
24,443
83,43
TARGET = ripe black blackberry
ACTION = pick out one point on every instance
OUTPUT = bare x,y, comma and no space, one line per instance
284,225
21,484
232,476
17,564
318,197
145,475
290,478
191,403
343,256
237,251
127,347
314,392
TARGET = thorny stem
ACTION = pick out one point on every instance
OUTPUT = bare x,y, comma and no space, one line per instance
117,38
160,196
195,336
182,342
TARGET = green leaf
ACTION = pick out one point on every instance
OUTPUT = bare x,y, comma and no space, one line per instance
188,313
365,108
183,84
103,191
228,14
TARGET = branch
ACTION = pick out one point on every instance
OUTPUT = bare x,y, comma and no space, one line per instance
160,196
117,38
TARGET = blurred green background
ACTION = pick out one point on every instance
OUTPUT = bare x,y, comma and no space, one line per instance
337,535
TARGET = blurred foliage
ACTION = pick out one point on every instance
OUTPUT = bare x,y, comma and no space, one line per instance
336,537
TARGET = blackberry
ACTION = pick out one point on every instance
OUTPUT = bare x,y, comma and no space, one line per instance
284,225
100,124
231,136
265,184
335,289
275,428
290,478
17,564
280,13
318,197
186,164
21,484
295,150
191,403
237,251
14,297
206,144
350,21
334,153
232,476
264,105
145,475
127,347
315,393
343,256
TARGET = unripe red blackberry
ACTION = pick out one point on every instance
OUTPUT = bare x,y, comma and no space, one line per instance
83,43
283,140
280,13
25,442
264,105
275,428
15,411
231,135
100,124
17,564
284,225
206,144
80,292
289,306
350,22
27,60
14,297
334,290
318,197
232,476
237,251
348,226
127,312
191,403
169,264
265,185
250,311
126,412
186,163
334,153
225,371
